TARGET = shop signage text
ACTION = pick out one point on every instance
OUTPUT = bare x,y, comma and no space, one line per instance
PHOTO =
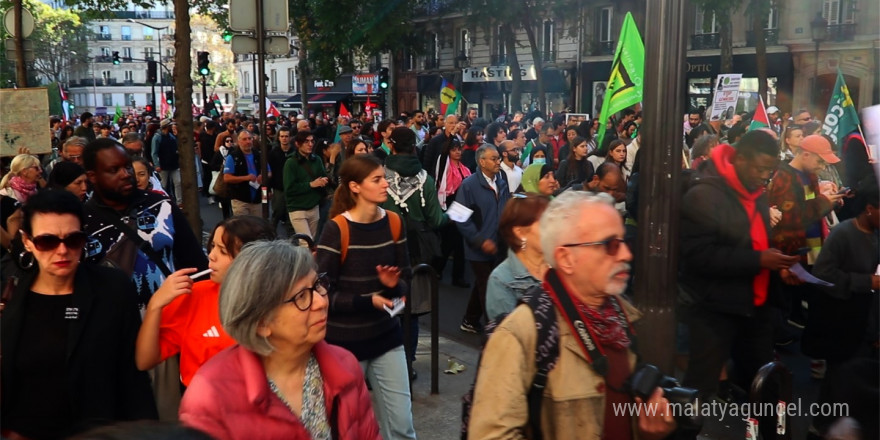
706,67
496,73
364,84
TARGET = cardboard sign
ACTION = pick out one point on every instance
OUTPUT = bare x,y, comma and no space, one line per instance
24,121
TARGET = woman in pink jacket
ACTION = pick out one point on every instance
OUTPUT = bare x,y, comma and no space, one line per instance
281,380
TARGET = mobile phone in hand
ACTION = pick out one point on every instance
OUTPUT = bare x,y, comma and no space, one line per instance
844,190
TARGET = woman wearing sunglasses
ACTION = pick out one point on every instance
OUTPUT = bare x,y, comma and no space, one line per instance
68,333
281,380
182,317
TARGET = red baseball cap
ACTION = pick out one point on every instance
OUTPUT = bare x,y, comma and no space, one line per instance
817,144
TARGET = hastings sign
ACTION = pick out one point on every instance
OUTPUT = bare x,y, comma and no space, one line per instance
496,73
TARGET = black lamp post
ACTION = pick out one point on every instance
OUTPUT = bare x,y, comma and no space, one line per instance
819,32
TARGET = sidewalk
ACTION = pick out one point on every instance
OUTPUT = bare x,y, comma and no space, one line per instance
438,416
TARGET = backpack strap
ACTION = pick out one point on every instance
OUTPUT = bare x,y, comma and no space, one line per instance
344,235
342,222
546,351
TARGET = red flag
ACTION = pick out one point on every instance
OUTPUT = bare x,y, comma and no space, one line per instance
343,111
271,110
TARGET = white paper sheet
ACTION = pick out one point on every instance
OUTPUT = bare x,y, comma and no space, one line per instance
459,213
807,277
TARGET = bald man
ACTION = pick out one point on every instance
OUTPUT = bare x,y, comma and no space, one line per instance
431,153
303,125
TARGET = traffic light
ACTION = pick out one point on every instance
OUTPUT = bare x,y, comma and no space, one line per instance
204,70
227,35
116,59
169,97
149,109
152,72
383,79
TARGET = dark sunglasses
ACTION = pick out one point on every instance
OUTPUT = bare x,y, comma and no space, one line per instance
303,299
48,242
612,245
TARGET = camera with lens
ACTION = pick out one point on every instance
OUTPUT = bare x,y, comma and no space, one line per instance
686,411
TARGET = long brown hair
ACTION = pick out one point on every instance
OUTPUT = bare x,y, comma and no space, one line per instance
354,169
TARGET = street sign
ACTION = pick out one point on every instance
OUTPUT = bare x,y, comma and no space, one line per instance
242,17
277,45
27,22
28,49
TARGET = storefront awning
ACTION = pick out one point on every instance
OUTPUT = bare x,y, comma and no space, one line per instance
318,98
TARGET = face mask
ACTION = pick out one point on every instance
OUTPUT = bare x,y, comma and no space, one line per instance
540,160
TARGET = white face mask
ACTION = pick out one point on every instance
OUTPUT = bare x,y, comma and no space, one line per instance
540,160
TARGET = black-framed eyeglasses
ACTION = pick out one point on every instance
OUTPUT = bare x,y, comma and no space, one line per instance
303,299
612,245
49,242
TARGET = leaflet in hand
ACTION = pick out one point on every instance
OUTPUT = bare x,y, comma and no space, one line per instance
807,277
396,307
459,213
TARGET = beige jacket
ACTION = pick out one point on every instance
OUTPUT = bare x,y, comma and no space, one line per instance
574,400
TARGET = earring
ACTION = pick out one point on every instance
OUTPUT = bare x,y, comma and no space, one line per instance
522,247
22,257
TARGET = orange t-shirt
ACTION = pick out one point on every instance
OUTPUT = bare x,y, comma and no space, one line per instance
190,326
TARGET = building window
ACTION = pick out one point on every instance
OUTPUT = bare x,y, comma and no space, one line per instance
129,99
108,99
839,11
226,98
104,32
705,23
604,27
126,53
246,81
129,76
500,48
148,33
273,80
126,33
291,80
464,42
105,51
105,74
548,43
433,51
198,100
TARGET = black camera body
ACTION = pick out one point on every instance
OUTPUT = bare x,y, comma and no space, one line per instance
686,411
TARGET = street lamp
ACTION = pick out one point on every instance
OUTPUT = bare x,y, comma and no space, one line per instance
819,32
158,37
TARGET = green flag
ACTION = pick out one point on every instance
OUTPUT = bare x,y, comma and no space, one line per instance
625,85
118,115
841,118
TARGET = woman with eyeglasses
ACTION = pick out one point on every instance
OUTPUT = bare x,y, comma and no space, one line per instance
281,380
367,272
182,316
68,333
25,176
524,266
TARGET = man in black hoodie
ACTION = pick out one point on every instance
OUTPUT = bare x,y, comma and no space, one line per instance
726,261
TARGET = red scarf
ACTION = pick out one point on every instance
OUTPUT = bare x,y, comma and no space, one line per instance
608,326
24,189
722,157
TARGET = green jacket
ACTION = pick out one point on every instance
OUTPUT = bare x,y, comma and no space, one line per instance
411,189
299,172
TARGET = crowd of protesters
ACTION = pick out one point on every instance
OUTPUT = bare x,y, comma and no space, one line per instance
95,231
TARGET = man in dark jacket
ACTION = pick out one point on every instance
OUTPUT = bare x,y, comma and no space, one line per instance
486,194
277,158
726,261
429,154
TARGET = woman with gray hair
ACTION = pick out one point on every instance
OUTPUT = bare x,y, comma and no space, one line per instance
281,380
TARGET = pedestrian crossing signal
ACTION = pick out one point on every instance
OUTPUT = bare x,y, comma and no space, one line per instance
383,79
116,59
204,70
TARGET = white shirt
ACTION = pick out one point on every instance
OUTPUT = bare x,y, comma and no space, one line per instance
491,181
514,176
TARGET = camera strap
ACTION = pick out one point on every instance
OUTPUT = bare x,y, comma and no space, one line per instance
578,323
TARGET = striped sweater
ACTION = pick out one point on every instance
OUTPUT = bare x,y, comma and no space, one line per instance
353,322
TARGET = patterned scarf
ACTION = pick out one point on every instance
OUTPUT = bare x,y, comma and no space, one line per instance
608,325
24,189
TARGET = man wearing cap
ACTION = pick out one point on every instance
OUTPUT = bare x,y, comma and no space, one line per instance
85,129
795,191
775,121
166,159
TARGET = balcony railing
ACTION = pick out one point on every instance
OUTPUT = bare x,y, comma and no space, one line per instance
603,48
103,59
498,60
771,37
138,15
126,37
149,58
548,56
462,60
103,37
128,82
432,63
705,41
126,59
841,32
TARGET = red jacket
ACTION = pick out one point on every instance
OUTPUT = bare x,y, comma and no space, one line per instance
229,398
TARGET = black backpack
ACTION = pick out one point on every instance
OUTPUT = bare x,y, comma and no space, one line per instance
546,355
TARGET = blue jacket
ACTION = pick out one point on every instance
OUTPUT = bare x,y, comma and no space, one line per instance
507,284
476,194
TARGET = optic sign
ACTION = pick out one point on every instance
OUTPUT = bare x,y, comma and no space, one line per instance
364,84
496,73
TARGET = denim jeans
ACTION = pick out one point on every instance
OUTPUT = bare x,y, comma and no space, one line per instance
391,398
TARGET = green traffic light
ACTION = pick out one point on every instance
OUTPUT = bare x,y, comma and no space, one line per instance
383,85
204,71
227,36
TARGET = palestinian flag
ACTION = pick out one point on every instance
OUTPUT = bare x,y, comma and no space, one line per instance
760,119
